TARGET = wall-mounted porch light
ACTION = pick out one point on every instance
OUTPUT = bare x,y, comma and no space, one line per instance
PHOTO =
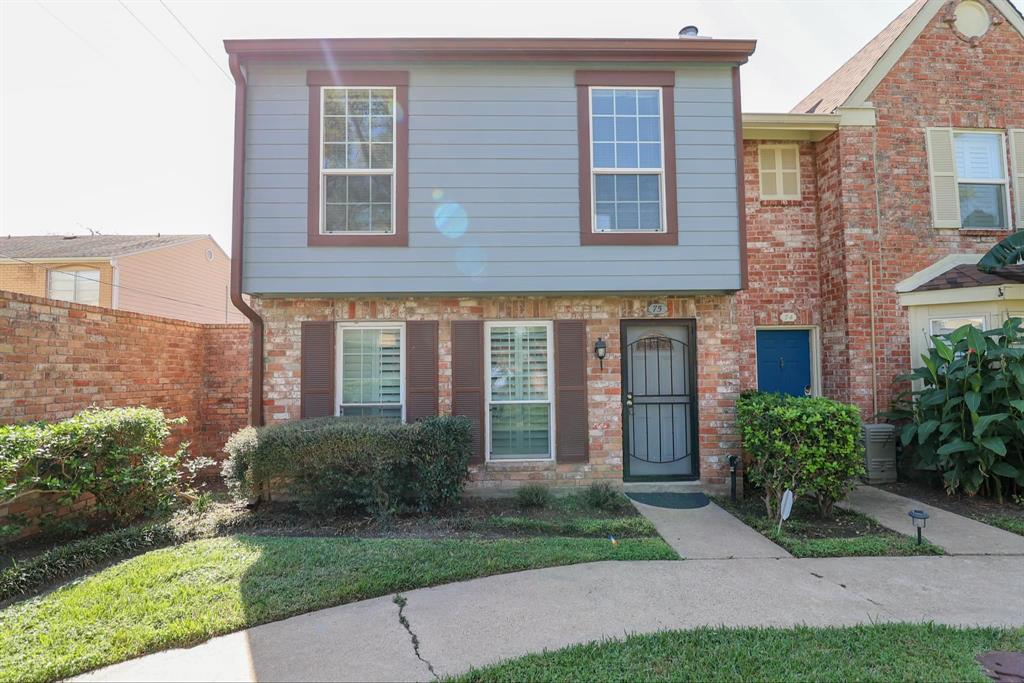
600,350
920,520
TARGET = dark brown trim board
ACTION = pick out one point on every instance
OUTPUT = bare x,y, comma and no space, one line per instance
237,235
348,50
664,80
741,192
399,80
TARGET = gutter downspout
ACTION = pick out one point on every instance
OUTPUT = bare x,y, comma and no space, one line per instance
237,235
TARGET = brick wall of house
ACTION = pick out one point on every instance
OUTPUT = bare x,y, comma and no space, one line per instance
57,358
939,81
31,278
717,364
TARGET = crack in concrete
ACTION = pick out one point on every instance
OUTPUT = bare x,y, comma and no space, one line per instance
402,601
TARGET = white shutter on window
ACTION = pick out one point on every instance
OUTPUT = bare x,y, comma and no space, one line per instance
1017,159
942,170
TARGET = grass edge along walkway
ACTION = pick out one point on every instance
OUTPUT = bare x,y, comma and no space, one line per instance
182,595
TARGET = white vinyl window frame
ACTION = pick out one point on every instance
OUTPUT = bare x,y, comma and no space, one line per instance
779,172
603,170
324,172
550,401
1004,181
339,365
983,318
79,278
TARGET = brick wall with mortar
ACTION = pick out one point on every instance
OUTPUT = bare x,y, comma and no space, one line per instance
717,363
939,81
57,358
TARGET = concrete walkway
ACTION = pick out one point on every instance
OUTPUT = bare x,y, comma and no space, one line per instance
957,534
709,533
483,621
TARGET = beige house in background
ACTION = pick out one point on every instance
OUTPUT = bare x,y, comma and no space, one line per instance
175,276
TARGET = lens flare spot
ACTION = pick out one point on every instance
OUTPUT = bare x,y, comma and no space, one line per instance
451,220
471,260
437,194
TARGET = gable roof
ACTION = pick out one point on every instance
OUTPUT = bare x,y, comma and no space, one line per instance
868,66
85,246
965,275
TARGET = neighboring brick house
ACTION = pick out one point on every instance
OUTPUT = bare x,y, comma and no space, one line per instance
175,276
911,164
490,227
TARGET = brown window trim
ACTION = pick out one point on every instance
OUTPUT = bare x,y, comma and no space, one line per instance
399,80
666,81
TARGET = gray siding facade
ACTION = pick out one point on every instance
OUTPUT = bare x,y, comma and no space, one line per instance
499,143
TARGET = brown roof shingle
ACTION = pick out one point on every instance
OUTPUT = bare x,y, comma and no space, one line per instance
835,90
84,246
963,276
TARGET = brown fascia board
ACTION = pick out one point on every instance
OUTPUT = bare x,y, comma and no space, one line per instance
495,49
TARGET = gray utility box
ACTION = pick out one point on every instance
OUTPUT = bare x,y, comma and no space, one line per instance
880,453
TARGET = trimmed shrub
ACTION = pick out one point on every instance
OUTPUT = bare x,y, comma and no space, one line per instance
335,463
809,445
534,496
116,455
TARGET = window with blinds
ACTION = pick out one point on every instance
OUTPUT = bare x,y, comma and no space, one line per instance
76,286
519,394
370,371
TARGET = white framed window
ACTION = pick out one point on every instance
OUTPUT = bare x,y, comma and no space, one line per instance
982,180
779,169
940,326
370,369
76,286
520,412
357,160
627,160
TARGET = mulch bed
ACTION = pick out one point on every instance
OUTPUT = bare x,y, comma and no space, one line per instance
975,507
805,522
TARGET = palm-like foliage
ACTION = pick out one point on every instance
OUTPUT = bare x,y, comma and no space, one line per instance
967,417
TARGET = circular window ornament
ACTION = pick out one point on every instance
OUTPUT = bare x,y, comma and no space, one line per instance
970,20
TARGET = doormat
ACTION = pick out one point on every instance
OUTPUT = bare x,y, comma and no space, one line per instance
675,501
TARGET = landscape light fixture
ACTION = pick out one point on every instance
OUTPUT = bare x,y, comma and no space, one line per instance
600,350
920,520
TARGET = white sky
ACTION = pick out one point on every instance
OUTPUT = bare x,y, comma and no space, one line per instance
104,126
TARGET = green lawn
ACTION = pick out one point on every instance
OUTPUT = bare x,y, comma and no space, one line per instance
1007,522
182,595
622,527
891,652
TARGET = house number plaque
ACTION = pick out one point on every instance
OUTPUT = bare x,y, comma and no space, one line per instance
788,317
657,309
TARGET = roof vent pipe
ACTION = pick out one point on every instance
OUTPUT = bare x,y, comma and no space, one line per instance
688,32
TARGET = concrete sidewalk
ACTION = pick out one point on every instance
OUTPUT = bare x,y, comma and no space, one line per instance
956,534
483,621
709,533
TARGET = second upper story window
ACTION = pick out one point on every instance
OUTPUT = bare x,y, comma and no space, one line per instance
779,170
628,168
358,160
981,179
627,160
358,153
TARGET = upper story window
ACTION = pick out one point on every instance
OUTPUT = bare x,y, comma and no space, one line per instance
970,186
627,157
76,286
981,179
358,137
779,169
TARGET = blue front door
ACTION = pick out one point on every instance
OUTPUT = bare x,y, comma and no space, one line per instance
784,361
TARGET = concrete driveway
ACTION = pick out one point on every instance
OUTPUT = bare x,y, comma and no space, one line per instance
473,623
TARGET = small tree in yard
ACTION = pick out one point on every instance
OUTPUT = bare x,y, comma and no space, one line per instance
967,419
809,445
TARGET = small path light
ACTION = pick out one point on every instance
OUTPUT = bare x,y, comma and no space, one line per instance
920,520
600,350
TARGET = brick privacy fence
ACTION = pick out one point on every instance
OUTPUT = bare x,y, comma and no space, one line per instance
57,358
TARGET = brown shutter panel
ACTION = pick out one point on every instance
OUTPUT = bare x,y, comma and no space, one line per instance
317,367
468,379
572,431
420,369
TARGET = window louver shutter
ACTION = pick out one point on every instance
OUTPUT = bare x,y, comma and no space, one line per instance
572,433
942,171
317,368
468,379
1017,157
420,369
